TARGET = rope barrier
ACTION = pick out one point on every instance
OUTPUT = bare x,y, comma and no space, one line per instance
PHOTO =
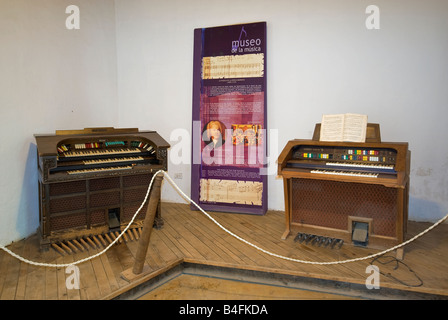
51,265
174,185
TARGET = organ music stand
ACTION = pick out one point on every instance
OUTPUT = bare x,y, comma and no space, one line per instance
372,134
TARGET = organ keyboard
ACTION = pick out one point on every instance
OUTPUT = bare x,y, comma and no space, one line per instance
337,159
90,177
328,185
93,150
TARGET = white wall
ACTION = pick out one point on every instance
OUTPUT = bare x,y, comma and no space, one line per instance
50,78
130,65
320,59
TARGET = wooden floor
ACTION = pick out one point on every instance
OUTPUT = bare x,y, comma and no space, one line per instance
189,236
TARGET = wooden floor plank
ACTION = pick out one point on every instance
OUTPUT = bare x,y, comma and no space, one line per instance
196,240
180,242
238,246
171,243
60,278
11,269
89,287
166,253
218,237
190,236
23,272
72,294
119,260
109,273
35,282
51,278
100,277
211,237
257,235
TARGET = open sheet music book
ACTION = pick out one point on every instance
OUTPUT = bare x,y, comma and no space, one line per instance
347,127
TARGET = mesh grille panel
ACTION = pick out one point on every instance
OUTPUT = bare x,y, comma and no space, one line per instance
98,217
61,188
105,199
132,195
104,184
330,203
68,221
86,204
128,213
67,204
137,180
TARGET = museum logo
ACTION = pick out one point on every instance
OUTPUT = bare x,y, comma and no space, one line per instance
245,44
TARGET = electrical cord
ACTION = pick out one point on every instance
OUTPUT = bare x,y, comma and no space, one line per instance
397,264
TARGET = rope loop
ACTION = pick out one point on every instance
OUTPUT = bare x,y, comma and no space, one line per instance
188,199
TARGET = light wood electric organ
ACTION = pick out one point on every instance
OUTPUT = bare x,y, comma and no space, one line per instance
92,181
333,188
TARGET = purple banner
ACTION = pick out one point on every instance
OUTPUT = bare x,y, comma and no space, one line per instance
229,118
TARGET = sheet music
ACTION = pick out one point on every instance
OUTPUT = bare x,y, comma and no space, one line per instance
233,66
347,127
231,191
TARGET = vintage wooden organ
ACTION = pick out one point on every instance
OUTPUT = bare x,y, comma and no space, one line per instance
92,181
331,187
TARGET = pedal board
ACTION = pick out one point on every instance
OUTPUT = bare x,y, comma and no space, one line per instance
319,241
98,241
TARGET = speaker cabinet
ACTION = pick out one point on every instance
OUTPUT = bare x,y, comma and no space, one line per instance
77,208
332,208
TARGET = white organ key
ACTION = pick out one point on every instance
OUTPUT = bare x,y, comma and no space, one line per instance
112,160
346,173
359,165
94,152
99,170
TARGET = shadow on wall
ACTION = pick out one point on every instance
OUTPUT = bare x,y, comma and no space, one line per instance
425,211
28,215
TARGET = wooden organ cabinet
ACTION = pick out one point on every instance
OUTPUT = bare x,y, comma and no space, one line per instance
330,187
92,181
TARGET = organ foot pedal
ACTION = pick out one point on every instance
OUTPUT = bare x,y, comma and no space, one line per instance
319,241
97,241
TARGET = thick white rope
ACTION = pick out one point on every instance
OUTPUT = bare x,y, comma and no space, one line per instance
223,228
298,260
